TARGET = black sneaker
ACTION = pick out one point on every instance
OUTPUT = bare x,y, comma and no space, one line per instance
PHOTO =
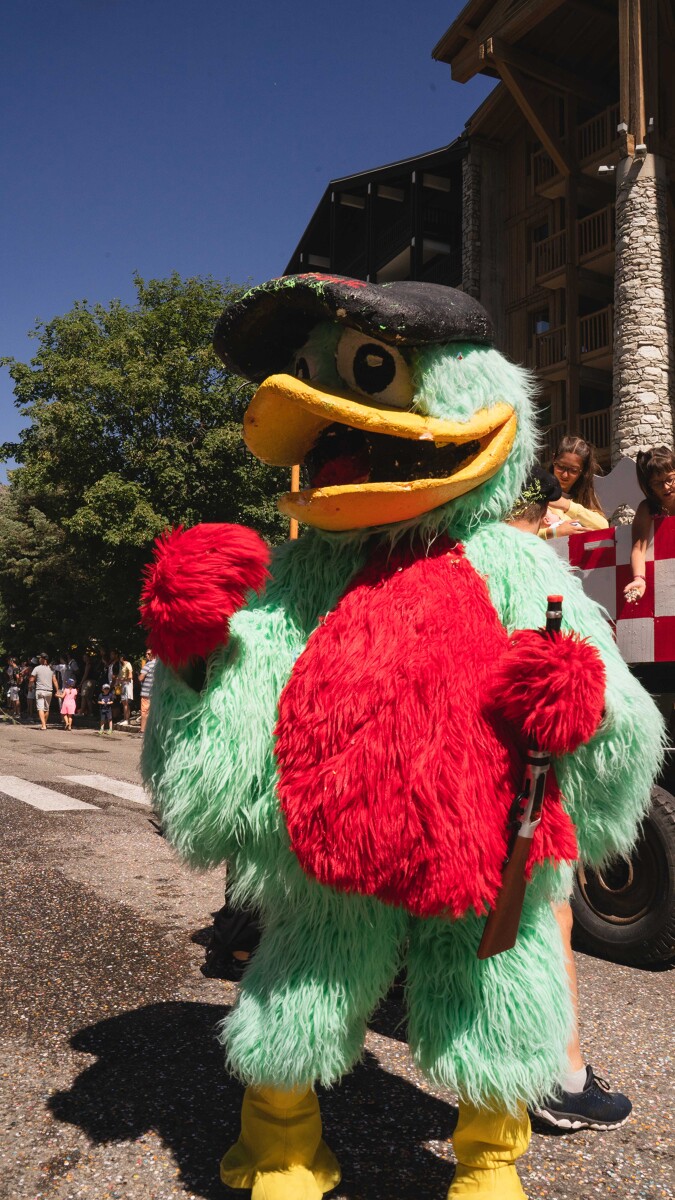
596,1107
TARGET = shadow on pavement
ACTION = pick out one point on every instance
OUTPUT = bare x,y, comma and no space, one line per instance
160,1068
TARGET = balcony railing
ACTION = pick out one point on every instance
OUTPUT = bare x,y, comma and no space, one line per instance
543,168
355,268
434,218
595,337
551,438
595,428
550,254
596,232
598,136
551,348
389,242
446,268
596,331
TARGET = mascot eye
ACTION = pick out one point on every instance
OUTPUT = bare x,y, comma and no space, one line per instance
374,369
304,365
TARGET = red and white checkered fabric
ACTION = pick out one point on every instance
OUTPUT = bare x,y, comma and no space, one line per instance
645,631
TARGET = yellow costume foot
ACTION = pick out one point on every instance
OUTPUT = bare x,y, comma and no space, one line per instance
280,1154
486,1146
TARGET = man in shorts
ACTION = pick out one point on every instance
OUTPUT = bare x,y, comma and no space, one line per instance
45,685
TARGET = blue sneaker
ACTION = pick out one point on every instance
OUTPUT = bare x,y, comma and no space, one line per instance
596,1107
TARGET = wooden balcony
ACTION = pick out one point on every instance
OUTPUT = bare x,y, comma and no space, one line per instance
595,235
549,260
595,243
389,242
545,176
550,352
598,141
595,333
551,437
444,268
596,428
596,336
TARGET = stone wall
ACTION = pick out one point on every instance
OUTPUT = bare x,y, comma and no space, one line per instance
643,410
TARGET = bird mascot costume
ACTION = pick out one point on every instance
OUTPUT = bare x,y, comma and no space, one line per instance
345,722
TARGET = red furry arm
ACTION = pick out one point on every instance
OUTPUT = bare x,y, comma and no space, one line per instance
552,687
197,579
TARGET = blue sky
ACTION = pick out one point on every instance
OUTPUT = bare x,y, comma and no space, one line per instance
195,135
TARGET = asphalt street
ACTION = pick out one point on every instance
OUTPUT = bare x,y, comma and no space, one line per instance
113,1085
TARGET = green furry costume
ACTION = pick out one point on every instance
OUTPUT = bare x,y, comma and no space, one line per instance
495,1031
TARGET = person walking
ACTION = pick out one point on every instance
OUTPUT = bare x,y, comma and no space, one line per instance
46,684
146,679
68,703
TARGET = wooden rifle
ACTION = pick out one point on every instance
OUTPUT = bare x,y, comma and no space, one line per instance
501,927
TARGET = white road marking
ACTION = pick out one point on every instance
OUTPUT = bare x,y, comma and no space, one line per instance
40,797
114,787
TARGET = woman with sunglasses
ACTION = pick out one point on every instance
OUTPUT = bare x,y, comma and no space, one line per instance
574,466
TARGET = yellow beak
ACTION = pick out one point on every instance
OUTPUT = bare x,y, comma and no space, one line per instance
286,416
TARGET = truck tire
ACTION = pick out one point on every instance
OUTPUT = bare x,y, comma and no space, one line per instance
626,912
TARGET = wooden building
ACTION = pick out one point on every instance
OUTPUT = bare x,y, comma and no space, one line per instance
584,115
577,139
402,221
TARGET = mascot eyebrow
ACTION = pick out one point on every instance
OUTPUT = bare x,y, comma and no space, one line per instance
343,721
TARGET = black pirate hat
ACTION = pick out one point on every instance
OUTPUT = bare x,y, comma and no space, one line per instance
259,334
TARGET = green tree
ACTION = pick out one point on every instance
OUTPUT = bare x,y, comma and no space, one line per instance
134,425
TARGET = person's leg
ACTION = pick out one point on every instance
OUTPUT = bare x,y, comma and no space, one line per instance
321,967
493,1031
145,709
42,711
565,919
585,1100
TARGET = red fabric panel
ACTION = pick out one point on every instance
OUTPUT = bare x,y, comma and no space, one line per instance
664,640
644,607
396,772
580,556
664,537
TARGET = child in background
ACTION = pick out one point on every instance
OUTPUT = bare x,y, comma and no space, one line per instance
68,703
105,704
656,476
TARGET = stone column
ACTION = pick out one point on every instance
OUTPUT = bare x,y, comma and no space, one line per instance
471,211
644,378
483,234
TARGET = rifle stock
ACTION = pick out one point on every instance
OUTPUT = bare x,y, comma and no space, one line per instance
501,927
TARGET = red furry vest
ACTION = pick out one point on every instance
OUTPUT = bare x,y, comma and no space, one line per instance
395,772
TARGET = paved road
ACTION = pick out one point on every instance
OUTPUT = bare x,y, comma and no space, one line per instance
112,1080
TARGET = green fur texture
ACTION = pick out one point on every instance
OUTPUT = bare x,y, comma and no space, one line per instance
495,1031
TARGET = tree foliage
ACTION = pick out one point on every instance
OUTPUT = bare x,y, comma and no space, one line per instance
133,425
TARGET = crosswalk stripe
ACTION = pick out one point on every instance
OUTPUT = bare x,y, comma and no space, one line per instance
40,797
114,787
